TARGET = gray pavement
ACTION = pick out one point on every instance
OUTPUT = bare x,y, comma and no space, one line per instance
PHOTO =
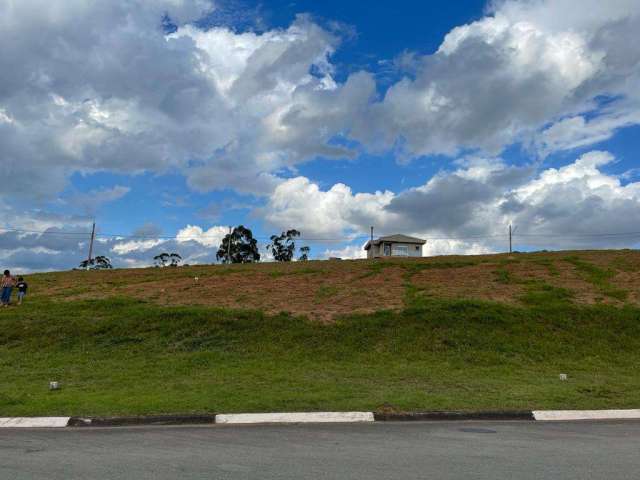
443,450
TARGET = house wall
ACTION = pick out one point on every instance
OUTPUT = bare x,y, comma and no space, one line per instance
378,250
411,247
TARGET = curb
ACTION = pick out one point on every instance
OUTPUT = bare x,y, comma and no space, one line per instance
576,415
311,417
34,422
142,420
318,417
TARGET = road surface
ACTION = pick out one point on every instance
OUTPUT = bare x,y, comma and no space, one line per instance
443,450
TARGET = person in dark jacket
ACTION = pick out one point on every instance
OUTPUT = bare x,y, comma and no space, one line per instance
22,289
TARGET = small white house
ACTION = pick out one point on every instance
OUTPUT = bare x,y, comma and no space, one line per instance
395,246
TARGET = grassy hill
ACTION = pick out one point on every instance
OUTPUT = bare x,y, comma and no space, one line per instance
438,333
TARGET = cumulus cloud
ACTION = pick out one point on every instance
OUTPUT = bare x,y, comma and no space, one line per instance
94,86
208,238
501,79
459,202
299,203
350,252
123,248
45,242
468,210
578,131
91,86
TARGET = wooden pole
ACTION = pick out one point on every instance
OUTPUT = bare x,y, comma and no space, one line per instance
93,236
510,239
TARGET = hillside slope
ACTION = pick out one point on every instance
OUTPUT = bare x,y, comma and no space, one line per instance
325,289
490,332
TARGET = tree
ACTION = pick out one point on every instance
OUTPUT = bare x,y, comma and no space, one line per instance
98,263
283,246
241,244
161,259
167,259
175,259
304,254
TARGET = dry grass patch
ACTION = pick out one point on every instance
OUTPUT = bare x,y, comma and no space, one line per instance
324,290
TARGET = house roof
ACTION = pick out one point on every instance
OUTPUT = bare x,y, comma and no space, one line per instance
396,238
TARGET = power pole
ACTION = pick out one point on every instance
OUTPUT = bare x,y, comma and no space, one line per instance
229,247
93,236
372,234
510,240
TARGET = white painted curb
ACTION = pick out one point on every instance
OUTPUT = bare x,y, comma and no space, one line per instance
558,415
34,422
311,417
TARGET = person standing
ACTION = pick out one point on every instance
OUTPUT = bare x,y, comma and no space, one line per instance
22,289
7,284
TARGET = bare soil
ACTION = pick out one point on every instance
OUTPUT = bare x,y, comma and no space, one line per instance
323,290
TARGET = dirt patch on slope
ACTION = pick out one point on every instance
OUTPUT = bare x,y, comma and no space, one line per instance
323,290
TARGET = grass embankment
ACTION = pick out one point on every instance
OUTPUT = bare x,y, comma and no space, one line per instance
564,313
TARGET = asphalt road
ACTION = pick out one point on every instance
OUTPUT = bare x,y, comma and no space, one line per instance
448,450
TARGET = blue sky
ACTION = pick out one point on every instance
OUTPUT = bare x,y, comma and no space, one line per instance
167,121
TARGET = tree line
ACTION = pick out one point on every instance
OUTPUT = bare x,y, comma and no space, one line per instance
239,246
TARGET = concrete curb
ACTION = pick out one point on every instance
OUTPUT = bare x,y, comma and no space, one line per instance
142,420
311,417
34,422
317,417
574,415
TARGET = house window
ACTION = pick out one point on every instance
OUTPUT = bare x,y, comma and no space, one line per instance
417,248
400,250
387,249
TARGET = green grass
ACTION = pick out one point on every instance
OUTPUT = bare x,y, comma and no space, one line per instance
119,356
503,276
411,266
325,292
549,264
299,271
598,277
541,294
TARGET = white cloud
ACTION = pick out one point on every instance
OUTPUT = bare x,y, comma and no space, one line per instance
226,109
208,238
501,79
93,86
576,132
97,86
135,246
350,252
52,251
466,210
456,247
299,203
469,209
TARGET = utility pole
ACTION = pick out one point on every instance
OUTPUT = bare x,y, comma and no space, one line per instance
93,236
229,247
372,234
510,240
